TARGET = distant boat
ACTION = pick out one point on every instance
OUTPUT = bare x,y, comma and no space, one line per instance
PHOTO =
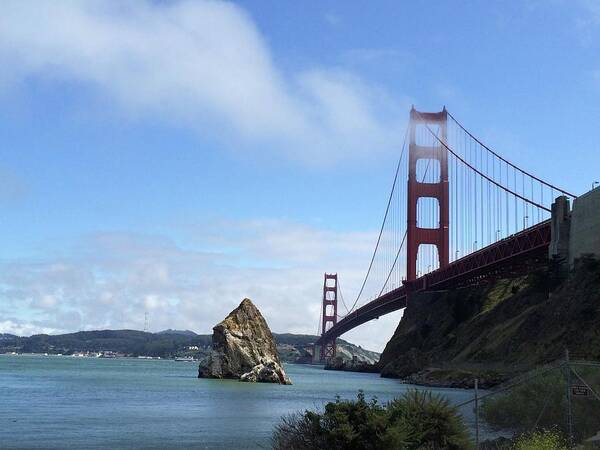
185,358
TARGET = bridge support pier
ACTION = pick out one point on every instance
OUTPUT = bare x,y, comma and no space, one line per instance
561,228
575,229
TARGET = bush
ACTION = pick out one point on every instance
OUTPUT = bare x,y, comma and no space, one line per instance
417,420
541,440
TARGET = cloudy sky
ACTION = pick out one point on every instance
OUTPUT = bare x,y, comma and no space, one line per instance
174,157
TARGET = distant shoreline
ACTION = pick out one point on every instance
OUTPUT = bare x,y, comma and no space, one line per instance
178,345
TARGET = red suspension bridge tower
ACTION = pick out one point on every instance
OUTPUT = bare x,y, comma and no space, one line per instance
438,190
500,223
329,314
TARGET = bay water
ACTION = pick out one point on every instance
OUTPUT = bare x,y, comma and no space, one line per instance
61,402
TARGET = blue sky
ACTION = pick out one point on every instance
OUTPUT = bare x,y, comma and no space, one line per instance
174,157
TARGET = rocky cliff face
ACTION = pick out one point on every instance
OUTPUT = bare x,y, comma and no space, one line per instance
496,330
243,348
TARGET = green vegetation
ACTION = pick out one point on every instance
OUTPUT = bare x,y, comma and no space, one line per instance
417,420
541,440
507,326
541,404
129,342
502,290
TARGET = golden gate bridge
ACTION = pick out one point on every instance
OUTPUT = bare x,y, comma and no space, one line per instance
458,213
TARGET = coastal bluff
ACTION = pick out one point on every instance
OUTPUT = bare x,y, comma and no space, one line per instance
497,330
243,348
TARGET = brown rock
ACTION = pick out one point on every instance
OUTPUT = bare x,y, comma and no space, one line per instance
243,348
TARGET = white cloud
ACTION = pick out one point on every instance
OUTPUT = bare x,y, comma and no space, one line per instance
202,63
592,7
110,280
205,65
586,19
24,329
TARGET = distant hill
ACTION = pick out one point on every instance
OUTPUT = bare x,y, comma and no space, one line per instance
295,348
182,332
129,342
7,336
298,348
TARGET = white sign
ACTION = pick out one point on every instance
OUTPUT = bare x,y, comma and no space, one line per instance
580,390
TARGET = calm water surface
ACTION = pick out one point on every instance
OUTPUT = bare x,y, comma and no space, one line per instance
65,402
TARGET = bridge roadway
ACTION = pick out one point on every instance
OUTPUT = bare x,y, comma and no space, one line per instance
509,255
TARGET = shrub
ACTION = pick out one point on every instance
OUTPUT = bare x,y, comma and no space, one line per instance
431,420
541,440
417,420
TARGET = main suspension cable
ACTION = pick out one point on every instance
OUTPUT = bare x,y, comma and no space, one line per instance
482,174
404,237
393,265
339,288
506,161
383,223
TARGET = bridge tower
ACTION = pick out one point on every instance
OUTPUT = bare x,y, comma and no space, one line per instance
329,314
440,190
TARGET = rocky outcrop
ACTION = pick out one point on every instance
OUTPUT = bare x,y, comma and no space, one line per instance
243,348
351,365
269,372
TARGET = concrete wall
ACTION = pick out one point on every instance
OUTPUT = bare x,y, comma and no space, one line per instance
584,235
561,229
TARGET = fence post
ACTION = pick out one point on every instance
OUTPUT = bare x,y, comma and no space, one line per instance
476,414
568,398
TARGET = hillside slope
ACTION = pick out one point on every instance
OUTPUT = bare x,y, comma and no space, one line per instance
294,348
496,330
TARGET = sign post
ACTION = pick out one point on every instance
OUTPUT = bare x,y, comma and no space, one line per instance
569,412
580,390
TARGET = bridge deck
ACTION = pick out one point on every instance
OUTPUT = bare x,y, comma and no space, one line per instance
493,260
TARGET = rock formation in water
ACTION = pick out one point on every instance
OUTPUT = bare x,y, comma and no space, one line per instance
243,348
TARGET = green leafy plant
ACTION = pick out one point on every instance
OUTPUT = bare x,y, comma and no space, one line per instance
417,420
541,440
